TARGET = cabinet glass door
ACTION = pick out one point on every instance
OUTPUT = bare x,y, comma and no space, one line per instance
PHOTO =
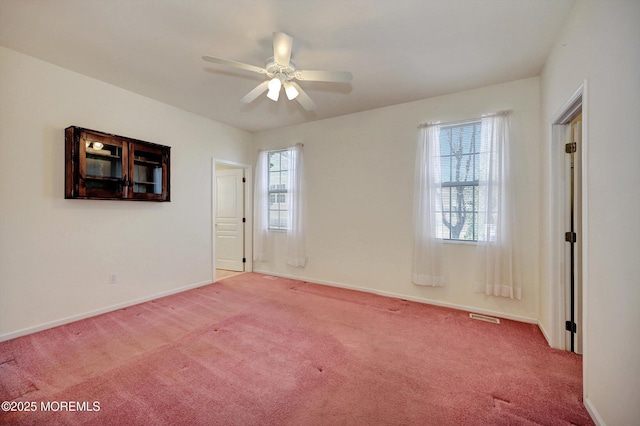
149,171
101,166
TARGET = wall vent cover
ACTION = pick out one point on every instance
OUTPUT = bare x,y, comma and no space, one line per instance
485,318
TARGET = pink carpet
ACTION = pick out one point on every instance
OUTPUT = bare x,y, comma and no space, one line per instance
253,350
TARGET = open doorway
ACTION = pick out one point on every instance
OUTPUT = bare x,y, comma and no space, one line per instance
573,238
231,219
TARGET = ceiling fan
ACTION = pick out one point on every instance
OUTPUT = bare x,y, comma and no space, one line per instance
281,71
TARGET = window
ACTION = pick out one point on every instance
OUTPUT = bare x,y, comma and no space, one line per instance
463,193
459,166
277,189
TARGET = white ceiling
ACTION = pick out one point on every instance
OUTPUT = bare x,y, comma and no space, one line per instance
398,51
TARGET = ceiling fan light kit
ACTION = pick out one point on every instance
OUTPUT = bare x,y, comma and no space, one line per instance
281,71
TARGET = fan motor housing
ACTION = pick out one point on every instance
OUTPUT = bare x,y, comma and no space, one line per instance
273,69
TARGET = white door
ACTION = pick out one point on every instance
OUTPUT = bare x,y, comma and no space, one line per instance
230,219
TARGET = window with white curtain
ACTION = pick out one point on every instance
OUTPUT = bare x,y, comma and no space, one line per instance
463,191
279,203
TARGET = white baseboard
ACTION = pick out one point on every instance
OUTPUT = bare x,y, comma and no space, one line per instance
72,318
545,334
595,416
405,297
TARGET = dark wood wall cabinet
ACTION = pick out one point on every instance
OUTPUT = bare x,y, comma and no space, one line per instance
110,167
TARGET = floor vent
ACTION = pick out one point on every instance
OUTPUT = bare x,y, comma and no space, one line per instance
485,318
269,277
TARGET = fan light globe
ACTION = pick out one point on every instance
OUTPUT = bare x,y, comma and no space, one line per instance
274,89
291,91
275,84
273,95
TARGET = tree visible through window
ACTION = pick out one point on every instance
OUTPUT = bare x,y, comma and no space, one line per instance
459,165
277,189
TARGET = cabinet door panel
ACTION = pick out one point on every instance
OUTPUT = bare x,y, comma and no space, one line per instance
148,165
102,166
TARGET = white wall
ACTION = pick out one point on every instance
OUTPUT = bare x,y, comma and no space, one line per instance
359,173
55,254
601,43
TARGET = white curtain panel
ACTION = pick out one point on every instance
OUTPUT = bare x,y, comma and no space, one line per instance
428,266
496,271
260,206
296,255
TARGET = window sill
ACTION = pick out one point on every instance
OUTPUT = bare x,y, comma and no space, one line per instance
460,242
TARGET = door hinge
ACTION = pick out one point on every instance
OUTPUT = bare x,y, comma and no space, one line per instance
244,219
244,260
244,180
570,148
570,237
570,326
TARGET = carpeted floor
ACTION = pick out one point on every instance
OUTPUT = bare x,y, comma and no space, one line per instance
258,350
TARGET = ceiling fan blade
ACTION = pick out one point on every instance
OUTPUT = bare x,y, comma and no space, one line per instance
259,90
234,64
330,76
303,98
282,44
